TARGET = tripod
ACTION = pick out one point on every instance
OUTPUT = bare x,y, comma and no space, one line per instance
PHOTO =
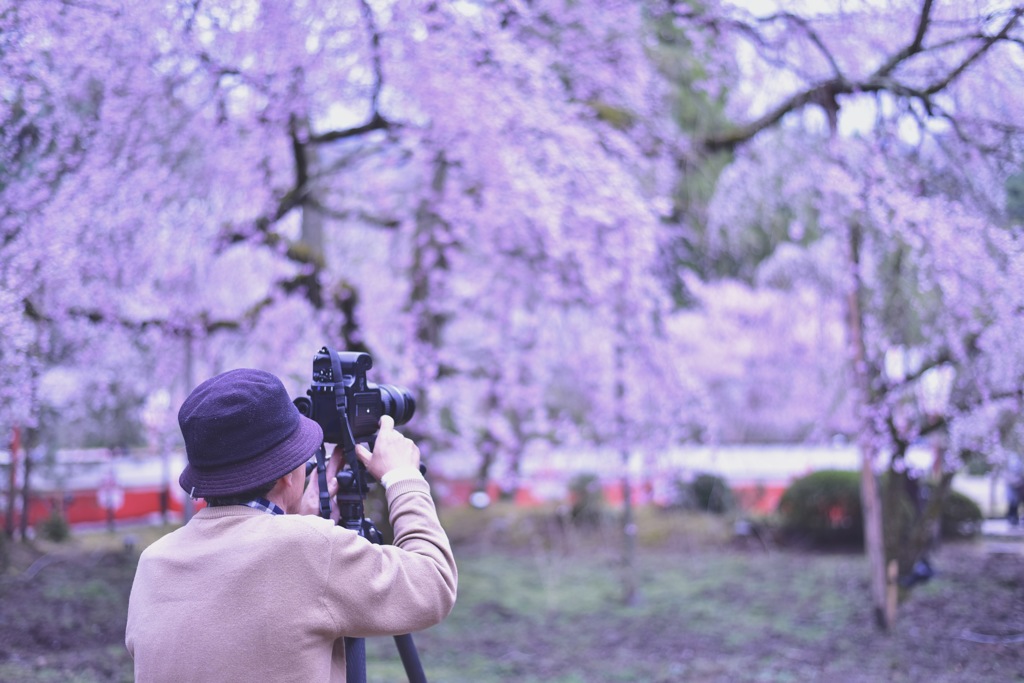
352,489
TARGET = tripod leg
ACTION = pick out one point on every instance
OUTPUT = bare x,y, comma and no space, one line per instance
355,660
410,659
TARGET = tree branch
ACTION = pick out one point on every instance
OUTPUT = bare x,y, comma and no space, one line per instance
913,48
814,38
974,56
378,69
317,205
376,122
824,93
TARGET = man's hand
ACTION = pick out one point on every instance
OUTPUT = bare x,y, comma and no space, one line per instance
310,504
391,451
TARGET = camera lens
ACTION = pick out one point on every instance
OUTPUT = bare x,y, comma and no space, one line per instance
304,405
397,402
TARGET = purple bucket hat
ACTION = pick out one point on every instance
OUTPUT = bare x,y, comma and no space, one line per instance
242,431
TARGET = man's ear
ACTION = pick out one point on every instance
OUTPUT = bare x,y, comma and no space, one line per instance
280,485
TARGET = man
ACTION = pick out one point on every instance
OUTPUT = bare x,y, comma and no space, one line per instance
256,586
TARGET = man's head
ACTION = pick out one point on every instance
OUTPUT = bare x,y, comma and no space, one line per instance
242,431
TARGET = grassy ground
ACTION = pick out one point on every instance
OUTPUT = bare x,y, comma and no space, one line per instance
542,602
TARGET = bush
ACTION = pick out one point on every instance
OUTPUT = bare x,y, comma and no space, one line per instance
961,516
707,493
55,527
824,508
587,499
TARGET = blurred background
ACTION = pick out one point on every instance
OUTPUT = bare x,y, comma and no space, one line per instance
608,245
676,285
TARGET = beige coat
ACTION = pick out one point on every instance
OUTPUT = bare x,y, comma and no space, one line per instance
238,594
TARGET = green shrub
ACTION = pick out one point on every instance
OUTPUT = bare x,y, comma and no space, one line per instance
707,493
961,516
55,527
824,508
587,499
704,492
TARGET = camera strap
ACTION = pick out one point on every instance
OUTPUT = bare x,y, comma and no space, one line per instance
321,475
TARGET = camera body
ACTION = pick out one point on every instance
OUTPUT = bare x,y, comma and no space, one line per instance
346,406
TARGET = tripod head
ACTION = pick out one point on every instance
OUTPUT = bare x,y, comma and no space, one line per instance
353,485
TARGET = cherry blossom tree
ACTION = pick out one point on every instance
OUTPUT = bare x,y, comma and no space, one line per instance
229,183
910,132
523,210
769,359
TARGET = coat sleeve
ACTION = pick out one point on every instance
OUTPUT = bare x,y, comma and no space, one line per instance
377,590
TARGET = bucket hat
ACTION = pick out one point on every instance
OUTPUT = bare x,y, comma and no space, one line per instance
242,431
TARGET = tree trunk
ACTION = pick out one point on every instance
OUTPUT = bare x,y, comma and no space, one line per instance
630,589
188,506
427,272
486,448
12,483
913,511
26,484
882,586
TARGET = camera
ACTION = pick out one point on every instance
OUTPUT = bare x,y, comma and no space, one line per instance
344,403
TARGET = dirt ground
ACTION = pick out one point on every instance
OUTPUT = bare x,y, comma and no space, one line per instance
62,615
718,615
707,614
